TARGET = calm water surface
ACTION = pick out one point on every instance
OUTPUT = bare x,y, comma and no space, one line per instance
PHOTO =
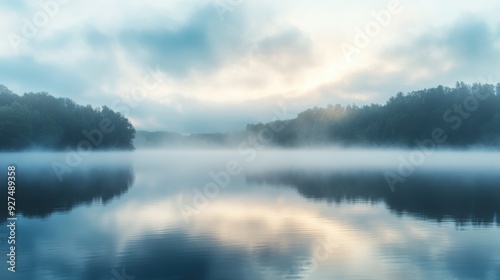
322,214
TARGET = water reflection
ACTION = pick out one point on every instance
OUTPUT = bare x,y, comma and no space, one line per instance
40,193
464,196
254,229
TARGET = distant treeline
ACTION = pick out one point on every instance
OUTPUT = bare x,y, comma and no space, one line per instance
158,139
38,120
461,116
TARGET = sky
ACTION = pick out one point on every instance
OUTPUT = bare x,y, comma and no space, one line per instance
199,66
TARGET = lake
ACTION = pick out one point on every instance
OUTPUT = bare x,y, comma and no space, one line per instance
272,214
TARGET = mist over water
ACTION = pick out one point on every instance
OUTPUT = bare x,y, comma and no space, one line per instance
267,214
259,140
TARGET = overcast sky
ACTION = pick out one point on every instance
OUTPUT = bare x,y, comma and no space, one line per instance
208,66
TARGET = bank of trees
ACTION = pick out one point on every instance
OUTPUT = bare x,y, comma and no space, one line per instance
39,120
467,115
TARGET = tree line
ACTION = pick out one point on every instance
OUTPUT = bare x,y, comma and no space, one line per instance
467,114
41,121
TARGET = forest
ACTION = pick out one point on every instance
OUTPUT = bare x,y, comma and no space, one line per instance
465,115
41,121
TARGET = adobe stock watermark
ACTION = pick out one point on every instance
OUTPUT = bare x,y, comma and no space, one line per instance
323,250
363,36
122,275
221,179
151,81
454,116
93,138
48,9
223,6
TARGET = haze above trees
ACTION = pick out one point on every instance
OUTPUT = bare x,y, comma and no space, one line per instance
466,114
462,116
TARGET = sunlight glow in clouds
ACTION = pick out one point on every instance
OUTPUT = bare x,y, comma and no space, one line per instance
260,54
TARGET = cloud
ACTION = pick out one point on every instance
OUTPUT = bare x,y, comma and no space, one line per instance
202,43
289,50
471,40
466,50
14,5
223,74
190,115
468,42
31,75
